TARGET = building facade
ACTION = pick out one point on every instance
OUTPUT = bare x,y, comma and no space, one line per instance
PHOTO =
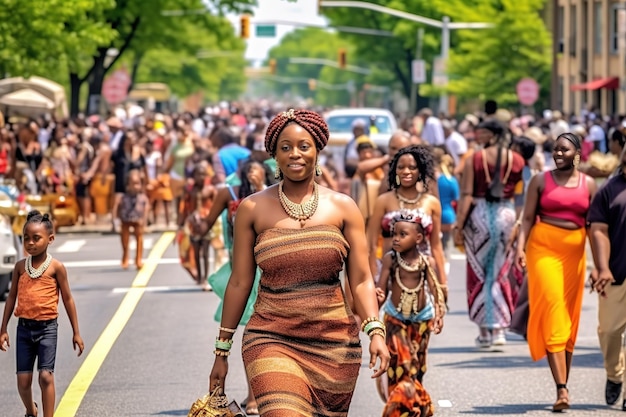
590,54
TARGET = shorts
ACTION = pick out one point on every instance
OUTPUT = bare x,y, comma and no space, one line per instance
82,190
36,339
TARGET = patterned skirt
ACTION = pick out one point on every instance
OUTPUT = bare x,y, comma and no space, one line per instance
402,386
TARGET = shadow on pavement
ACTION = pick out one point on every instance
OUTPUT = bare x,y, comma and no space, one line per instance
172,413
584,360
519,409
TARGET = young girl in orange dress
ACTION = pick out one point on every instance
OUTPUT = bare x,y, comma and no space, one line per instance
413,303
37,282
196,204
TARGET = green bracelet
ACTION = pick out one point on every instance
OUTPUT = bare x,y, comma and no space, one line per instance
375,324
223,344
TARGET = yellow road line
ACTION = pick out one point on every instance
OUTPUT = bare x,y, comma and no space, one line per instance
71,400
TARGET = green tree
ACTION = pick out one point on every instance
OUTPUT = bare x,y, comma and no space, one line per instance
36,34
390,57
212,61
487,64
144,26
292,78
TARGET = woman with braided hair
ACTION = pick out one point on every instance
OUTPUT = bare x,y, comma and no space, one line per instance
410,171
301,347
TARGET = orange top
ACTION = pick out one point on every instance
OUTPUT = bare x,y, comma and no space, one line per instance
37,298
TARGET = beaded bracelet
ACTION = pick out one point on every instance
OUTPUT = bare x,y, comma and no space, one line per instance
368,320
223,353
380,332
373,325
227,330
223,344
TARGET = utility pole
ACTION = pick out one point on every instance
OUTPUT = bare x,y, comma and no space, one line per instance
414,85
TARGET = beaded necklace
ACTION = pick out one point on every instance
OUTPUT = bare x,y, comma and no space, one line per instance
403,200
408,297
301,212
37,272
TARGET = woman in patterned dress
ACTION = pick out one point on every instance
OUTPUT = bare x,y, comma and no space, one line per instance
301,347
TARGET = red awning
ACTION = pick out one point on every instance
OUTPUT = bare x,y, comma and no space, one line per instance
610,83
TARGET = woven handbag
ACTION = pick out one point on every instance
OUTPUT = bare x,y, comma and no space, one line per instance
215,404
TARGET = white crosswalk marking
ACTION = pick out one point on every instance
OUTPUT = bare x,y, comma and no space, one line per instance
71,246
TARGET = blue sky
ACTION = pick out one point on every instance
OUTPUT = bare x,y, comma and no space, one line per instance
270,11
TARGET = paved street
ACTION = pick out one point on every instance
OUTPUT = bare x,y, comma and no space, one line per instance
154,358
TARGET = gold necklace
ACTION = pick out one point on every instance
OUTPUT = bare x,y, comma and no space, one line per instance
301,212
403,200
419,264
408,297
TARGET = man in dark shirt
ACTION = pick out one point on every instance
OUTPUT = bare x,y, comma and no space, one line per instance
607,216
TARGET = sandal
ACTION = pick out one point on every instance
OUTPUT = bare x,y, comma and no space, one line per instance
36,410
252,410
562,402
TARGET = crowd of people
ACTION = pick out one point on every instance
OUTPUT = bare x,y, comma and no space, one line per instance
310,253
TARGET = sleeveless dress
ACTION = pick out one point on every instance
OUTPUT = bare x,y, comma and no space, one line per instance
301,347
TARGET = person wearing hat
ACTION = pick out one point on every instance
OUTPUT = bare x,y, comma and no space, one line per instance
351,155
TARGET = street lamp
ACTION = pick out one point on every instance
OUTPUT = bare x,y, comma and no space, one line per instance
445,25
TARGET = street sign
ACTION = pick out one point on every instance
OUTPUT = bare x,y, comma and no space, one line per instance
418,71
266,31
440,78
527,91
115,86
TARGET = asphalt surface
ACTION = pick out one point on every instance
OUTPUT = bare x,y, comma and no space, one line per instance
161,360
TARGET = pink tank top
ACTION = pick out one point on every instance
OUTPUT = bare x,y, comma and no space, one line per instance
565,203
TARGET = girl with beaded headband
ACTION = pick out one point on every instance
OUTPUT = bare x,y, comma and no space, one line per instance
300,234
413,303
37,282
411,169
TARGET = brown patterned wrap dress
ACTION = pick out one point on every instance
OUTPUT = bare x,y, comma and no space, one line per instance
301,347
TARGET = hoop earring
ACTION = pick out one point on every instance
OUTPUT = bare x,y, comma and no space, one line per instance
318,170
277,173
397,179
576,160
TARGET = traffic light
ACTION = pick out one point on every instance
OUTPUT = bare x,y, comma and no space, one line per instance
272,65
342,58
245,27
312,84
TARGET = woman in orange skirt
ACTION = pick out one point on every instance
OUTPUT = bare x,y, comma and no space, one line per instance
553,250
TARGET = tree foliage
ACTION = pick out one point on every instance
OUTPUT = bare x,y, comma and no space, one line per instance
489,63
42,36
483,63
292,79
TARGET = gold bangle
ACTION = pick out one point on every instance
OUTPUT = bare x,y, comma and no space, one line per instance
223,353
367,321
227,330
378,331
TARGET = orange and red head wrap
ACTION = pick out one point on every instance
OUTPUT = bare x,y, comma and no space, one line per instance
309,120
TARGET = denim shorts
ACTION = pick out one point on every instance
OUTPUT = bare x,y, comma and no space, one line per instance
36,339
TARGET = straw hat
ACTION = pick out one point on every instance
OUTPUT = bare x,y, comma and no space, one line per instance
115,122
536,135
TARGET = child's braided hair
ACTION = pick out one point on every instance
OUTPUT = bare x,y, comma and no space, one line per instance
35,216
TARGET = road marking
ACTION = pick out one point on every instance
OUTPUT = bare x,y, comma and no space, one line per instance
113,262
73,396
181,288
444,403
458,256
71,246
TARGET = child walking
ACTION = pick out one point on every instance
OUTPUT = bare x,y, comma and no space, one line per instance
133,213
414,308
37,282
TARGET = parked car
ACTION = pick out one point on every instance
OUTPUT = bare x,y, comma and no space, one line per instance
340,122
10,242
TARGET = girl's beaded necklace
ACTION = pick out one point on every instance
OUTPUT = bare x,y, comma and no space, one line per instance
408,298
37,272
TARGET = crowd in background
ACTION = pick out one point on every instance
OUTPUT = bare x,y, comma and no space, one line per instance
479,181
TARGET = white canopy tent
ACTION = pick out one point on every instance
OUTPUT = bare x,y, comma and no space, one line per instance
53,92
